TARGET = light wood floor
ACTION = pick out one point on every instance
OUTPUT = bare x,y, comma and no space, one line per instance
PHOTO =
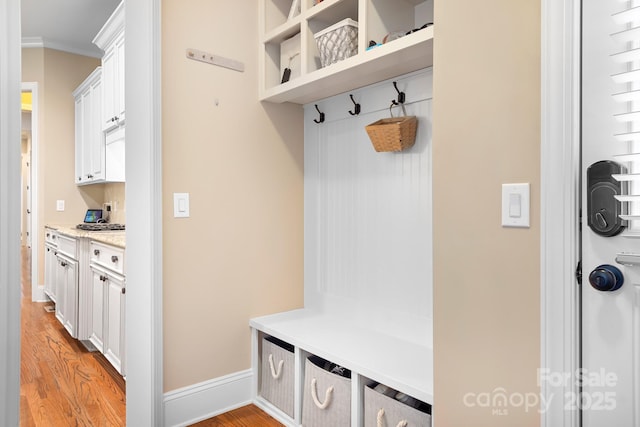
62,384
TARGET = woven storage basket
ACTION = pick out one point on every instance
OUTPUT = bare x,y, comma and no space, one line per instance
337,42
388,412
327,397
393,134
277,374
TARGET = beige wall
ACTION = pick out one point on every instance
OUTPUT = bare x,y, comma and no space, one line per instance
58,74
240,253
486,132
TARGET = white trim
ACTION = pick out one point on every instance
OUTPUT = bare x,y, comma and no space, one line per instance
39,42
37,289
143,308
207,399
10,130
560,172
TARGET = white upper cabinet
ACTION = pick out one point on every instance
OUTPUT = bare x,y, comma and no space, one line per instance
111,40
90,141
404,23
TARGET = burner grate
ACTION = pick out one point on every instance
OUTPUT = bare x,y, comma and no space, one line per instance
103,226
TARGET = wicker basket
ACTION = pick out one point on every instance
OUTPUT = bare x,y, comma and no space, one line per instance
393,134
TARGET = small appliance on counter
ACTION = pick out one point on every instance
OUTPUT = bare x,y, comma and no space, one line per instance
95,221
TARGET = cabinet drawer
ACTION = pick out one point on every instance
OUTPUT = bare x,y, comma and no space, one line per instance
380,409
107,256
277,375
68,246
50,236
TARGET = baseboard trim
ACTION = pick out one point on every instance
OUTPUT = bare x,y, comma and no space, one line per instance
191,404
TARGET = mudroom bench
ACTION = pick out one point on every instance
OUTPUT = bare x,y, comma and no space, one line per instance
372,357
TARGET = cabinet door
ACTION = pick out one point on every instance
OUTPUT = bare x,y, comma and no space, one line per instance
85,139
114,334
95,137
120,110
109,82
113,110
50,272
80,163
99,291
71,296
60,284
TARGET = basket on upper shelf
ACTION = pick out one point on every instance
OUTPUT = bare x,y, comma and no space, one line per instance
393,134
337,42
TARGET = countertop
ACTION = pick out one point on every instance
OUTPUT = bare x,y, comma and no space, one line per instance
115,238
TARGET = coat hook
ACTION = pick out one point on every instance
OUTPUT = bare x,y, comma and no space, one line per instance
321,115
401,95
356,107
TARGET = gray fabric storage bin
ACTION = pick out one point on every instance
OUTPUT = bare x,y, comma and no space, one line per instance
328,408
277,376
394,412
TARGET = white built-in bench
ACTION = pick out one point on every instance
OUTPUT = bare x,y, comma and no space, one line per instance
370,355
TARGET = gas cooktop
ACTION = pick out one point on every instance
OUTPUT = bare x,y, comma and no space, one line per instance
101,226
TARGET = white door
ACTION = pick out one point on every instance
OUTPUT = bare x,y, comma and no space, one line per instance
610,376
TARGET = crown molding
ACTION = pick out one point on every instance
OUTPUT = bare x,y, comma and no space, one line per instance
39,42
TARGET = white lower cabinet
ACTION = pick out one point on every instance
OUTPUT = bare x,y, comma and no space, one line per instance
98,289
108,303
67,290
114,322
50,261
86,280
67,283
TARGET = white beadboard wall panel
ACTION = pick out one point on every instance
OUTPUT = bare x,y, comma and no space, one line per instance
368,226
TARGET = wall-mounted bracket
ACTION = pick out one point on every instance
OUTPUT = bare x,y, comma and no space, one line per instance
209,58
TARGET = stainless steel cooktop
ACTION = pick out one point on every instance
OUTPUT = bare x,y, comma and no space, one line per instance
101,226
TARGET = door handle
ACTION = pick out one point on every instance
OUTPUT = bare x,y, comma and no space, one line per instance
606,278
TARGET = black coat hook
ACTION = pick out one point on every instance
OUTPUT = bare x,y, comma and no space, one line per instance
321,115
401,95
356,107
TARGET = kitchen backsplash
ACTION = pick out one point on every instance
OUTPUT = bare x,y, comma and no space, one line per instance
115,193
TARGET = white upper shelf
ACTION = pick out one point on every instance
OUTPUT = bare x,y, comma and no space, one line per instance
407,54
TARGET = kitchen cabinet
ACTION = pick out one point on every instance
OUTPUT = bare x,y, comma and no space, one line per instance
90,143
111,40
87,277
376,20
108,302
50,262
99,157
67,284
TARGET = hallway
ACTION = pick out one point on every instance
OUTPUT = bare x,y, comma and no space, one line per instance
61,383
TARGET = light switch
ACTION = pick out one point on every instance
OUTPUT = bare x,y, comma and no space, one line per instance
515,205
60,205
181,205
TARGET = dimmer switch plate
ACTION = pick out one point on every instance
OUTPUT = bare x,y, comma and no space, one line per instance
515,205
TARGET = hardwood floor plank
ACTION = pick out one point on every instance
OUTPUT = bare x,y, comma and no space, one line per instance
246,416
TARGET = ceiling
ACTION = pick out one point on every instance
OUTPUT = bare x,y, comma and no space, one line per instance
68,25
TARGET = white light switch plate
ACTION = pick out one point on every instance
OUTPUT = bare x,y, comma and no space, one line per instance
515,205
60,205
181,205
